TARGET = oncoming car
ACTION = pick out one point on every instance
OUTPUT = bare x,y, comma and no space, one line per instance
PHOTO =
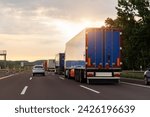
147,76
38,69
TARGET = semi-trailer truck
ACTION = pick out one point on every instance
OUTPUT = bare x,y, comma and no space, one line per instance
59,63
94,55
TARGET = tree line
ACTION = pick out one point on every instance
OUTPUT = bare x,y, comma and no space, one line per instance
133,18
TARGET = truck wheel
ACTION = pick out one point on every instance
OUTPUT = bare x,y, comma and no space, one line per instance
77,77
88,81
118,81
65,74
68,75
81,79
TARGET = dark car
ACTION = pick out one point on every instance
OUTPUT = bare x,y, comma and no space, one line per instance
147,76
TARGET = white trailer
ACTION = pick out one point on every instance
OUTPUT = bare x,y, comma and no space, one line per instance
51,65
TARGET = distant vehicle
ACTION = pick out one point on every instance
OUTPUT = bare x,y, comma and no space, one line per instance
51,65
94,55
38,69
59,63
147,76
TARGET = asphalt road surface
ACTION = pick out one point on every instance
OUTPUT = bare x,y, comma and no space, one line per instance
24,86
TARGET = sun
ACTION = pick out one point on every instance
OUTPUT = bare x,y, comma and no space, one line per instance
69,28
91,23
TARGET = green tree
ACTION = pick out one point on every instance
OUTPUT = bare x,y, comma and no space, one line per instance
134,19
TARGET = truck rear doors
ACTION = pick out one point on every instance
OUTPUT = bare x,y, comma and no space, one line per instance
103,48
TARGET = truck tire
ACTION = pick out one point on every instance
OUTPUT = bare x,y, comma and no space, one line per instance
81,79
68,76
81,76
88,81
118,82
77,75
65,76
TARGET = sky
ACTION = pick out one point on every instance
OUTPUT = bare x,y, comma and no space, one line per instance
39,29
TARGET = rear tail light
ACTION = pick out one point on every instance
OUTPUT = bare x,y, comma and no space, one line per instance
118,62
116,74
89,61
100,66
72,74
107,66
90,74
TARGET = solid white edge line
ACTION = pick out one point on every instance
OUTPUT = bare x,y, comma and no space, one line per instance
138,85
7,76
61,78
90,89
24,90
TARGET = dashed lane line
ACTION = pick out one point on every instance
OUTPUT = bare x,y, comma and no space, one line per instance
61,78
90,89
138,85
24,90
30,78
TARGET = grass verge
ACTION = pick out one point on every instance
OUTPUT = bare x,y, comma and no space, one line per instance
133,74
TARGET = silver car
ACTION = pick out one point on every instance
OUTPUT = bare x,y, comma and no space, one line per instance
38,69
147,76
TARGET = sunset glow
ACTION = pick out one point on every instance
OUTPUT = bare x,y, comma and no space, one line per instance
39,29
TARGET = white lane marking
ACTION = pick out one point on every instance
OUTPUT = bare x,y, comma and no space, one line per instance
90,89
138,85
7,76
30,78
61,78
24,90
132,79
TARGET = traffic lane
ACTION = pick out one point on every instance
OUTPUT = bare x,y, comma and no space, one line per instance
117,92
56,87
52,87
122,91
10,88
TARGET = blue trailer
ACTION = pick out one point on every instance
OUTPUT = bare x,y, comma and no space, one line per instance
94,55
59,63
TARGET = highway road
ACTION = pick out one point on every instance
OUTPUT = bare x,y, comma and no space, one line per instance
23,86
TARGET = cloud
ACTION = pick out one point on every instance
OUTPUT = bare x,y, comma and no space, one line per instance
26,16
65,9
35,27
